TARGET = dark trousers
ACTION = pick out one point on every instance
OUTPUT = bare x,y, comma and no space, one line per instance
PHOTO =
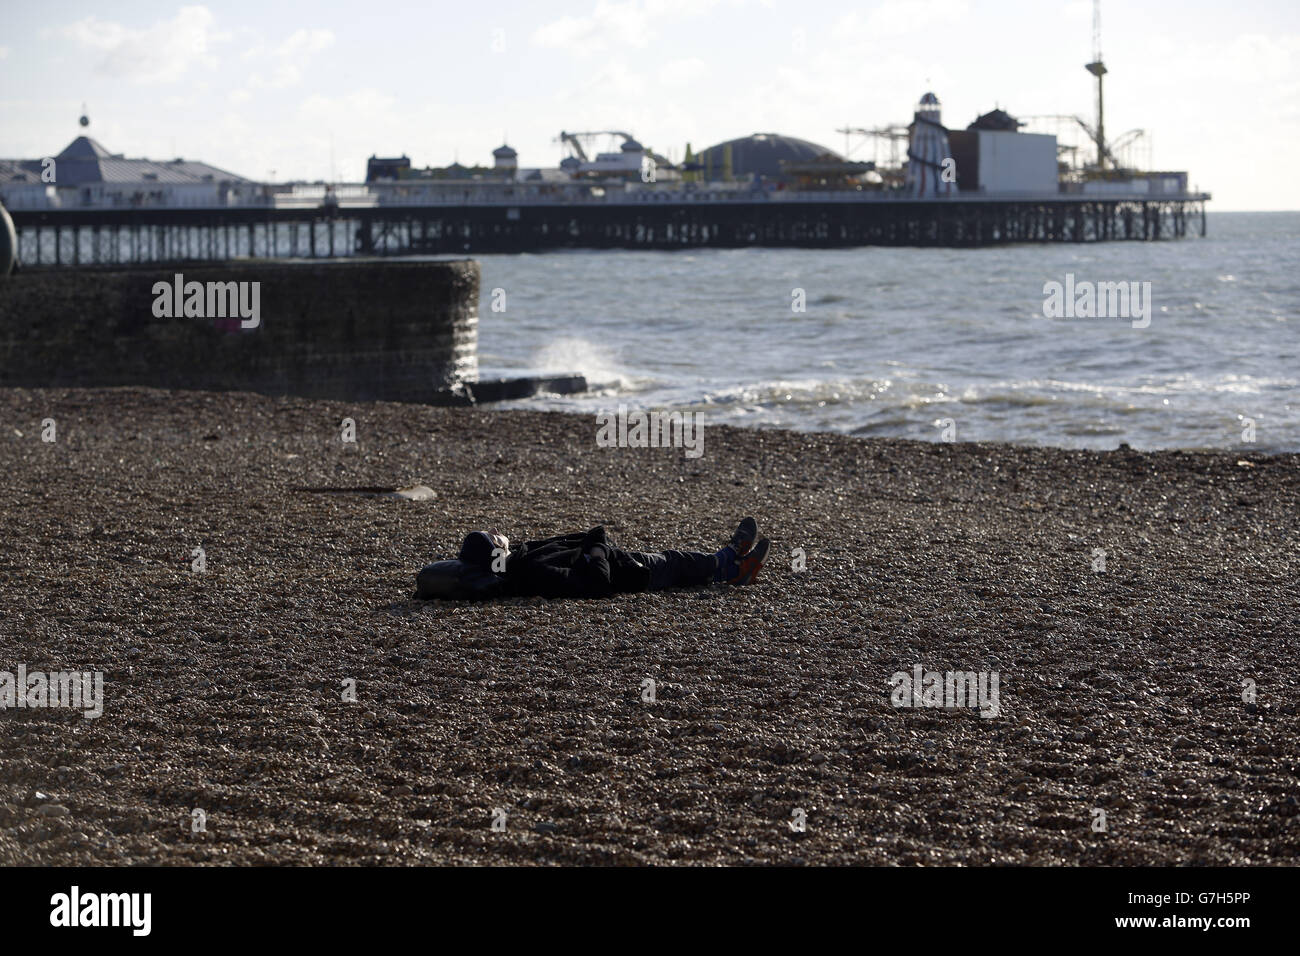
677,569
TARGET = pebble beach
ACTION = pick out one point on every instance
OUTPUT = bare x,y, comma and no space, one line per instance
1141,611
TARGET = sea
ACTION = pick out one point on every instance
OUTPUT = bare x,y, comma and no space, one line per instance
930,344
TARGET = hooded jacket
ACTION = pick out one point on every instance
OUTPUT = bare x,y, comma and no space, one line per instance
562,567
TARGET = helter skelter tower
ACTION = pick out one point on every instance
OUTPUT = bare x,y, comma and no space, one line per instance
926,151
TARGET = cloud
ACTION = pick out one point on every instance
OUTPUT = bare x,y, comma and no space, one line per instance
318,109
304,43
282,77
1262,57
287,62
630,23
4,52
161,53
896,18
610,24
682,72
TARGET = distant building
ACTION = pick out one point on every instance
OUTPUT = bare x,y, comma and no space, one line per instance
761,154
505,161
87,174
377,169
632,162
993,157
997,120
505,166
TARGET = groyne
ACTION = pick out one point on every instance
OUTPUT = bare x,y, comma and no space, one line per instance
364,329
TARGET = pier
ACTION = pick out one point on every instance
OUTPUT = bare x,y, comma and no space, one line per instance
647,219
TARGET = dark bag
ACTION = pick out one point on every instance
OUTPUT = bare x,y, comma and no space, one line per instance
456,580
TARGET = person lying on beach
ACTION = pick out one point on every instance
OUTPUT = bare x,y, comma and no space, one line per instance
584,565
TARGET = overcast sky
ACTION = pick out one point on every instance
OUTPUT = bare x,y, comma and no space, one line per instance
311,90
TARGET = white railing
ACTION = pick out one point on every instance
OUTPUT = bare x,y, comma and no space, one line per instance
360,195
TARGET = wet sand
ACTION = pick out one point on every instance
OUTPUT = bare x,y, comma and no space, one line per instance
1119,691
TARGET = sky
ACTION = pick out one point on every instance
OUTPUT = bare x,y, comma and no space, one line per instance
293,91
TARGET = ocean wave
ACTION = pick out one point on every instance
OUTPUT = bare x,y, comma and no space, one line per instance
594,362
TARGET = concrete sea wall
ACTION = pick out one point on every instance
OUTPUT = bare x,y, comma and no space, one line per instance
364,330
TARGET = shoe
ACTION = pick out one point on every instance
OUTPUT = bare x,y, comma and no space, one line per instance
744,537
749,566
